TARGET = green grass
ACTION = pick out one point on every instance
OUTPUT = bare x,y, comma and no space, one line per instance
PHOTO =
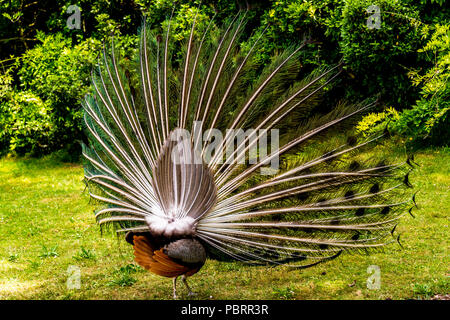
47,226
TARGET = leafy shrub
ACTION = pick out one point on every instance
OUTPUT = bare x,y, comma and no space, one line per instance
289,22
378,58
373,122
26,123
6,80
59,74
427,122
54,64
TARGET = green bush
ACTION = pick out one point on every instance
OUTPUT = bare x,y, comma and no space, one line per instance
6,80
289,22
378,58
54,64
58,73
26,124
427,121
373,122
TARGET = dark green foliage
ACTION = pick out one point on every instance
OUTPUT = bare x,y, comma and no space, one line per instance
59,74
427,121
40,56
377,59
26,124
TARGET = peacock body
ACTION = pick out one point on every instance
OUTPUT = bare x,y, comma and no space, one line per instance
179,155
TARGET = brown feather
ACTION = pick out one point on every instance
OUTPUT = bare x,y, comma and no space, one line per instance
156,261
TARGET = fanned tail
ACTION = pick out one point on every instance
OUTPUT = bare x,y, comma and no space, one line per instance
327,190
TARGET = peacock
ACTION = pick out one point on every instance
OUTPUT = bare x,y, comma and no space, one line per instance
198,150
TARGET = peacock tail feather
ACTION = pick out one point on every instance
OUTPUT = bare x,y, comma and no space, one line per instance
329,191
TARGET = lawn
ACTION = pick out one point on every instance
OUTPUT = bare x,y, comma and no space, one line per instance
48,235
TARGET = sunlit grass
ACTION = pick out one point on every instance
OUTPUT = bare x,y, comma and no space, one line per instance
47,225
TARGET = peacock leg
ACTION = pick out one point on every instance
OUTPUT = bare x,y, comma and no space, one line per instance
175,288
184,278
